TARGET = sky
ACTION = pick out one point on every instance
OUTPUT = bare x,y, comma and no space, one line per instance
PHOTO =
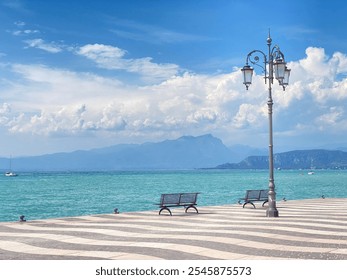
88,74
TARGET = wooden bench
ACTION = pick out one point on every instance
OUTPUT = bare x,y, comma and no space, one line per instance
187,200
256,195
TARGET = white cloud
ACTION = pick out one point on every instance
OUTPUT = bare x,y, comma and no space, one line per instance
19,23
339,60
41,44
66,121
21,30
58,102
110,57
25,32
43,87
111,119
317,78
5,111
102,54
248,115
316,63
333,121
334,115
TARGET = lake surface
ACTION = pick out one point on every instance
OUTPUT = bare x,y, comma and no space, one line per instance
50,195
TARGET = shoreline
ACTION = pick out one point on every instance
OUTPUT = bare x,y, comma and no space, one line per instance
144,211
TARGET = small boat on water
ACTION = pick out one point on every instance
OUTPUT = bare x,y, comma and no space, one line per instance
310,173
10,174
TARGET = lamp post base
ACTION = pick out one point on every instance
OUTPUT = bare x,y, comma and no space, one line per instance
272,213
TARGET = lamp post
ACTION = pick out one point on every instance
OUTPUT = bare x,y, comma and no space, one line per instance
273,65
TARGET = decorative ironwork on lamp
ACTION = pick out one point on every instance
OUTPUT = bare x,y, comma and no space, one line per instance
274,66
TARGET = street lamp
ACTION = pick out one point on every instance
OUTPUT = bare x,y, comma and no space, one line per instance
273,65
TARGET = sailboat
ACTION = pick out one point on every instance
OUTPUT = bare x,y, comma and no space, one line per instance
10,173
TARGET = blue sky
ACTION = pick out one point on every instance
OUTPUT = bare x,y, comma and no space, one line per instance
86,74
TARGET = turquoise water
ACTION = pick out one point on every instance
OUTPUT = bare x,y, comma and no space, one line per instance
49,195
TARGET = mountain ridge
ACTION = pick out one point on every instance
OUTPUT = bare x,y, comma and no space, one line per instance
297,159
186,152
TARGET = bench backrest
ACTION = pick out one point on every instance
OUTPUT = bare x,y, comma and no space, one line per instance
178,198
252,194
264,194
257,194
188,198
170,198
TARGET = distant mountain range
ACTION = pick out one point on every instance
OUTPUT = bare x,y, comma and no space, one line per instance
186,152
302,159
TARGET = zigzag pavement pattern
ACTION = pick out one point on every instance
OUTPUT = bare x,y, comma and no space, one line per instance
306,229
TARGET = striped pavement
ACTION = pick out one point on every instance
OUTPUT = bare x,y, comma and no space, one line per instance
306,229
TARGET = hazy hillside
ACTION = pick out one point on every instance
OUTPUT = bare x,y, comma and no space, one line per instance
305,159
183,153
186,152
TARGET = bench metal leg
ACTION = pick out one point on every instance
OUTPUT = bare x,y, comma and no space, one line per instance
250,202
192,206
266,201
165,208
